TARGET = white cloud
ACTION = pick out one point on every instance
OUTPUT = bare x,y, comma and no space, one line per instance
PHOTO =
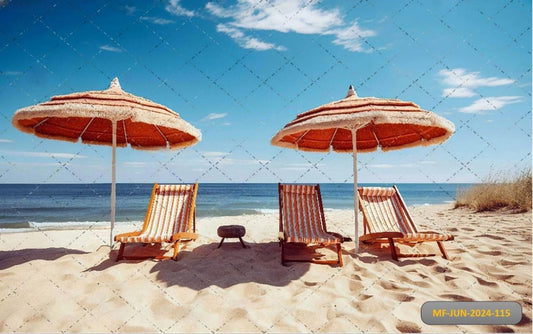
284,16
110,48
247,42
223,159
135,164
174,7
381,166
44,155
462,83
350,37
214,154
12,73
279,15
242,162
391,166
55,155
130,9
458,92
490,103
301,166
213,116
298,169
156,20
6,141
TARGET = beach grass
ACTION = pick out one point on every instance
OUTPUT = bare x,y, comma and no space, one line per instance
498,191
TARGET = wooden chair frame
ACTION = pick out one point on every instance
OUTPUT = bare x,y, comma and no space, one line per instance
176,238
282,236
391,236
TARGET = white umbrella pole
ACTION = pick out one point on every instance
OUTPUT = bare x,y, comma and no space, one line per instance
113,182
355,194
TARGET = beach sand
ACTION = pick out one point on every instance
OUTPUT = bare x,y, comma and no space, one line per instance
66,280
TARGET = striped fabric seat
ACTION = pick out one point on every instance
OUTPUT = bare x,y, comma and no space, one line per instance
302,218
386,218
170,218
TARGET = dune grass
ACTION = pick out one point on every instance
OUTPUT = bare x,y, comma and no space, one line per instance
498,192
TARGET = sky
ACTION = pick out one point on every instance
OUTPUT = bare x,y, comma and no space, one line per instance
240,70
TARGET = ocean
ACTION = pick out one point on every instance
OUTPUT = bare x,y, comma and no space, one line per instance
69,205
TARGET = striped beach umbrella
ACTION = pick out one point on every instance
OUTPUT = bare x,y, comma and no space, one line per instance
109,117
356,124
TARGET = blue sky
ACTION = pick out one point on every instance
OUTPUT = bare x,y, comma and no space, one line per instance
240,70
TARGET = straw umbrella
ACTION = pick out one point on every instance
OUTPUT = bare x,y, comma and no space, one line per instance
109,117
355,124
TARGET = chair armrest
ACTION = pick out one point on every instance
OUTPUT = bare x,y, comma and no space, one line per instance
129,234
380,235
184,236
336,235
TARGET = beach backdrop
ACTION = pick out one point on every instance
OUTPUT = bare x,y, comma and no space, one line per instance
75,205
239,70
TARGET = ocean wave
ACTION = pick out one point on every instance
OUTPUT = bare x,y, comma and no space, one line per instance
267,211
70,225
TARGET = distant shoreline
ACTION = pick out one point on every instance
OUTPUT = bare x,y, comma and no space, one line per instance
23,227
78,204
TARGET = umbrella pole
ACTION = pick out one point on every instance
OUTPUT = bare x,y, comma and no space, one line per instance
355,193
113,182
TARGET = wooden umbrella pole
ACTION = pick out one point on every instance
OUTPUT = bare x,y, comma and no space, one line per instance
355,194
113,182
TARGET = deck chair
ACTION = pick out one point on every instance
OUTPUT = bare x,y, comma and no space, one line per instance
386,218
170,218
301,220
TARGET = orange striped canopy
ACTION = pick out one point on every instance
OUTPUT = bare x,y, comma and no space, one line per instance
89,115
389,124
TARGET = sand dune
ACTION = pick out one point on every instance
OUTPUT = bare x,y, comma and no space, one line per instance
66,280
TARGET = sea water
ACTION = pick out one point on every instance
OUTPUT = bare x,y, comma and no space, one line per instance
71,205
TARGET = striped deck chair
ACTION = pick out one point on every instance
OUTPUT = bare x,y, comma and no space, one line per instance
170,218
301,220
386,218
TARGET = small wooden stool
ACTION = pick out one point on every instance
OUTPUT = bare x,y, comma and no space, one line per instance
231,231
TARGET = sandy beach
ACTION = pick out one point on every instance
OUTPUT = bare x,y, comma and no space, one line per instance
67,281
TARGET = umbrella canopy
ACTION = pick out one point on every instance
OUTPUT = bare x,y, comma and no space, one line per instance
356,124
88,116
109,117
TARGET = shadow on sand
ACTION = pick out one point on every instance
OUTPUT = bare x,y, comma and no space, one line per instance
12,258
131,250
375,252
207,265
229,265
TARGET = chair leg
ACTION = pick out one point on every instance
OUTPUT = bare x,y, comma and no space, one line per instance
339,254
120,255
442,250
242,243
176,250
221,241
393,249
